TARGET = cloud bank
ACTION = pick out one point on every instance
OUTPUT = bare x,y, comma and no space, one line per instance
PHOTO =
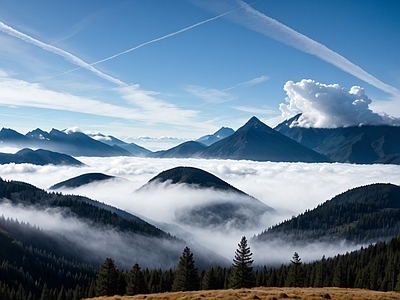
290,188
330,106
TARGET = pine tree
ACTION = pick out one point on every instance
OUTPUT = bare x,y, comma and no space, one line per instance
62,295
209,281
45,293
295,274
186,278
135,282
242,272
107,279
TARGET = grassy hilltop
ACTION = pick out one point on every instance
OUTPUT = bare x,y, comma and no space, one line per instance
268,294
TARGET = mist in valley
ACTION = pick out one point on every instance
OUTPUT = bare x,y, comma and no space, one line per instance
289,188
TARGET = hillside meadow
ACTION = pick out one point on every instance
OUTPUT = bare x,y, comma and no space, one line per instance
266,293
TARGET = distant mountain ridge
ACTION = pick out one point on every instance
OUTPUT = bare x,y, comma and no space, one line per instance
361,215
365,144
185,150
39,157
210,139
81,180
71,143
240,211
257,141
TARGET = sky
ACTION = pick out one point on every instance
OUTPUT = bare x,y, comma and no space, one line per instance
160,71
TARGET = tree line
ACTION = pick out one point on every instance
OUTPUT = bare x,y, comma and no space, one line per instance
376,267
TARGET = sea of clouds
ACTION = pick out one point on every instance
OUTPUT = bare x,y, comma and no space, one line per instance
290,188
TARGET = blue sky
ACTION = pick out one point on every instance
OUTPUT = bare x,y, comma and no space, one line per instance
182,69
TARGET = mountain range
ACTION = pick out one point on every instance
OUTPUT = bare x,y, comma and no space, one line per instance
366,144
253,141
210,139
230,207
39,157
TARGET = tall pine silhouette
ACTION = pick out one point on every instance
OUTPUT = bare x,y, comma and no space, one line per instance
107,279
186,278
242,272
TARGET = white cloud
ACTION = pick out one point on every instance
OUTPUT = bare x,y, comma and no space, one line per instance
330,106
72,130
68,56
256,110
209,94
151,108
22,93
290,188
249,83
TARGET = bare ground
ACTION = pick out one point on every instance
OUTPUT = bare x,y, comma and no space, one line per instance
267,293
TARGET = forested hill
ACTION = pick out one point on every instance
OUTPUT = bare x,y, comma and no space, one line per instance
80,207
361,215
40,260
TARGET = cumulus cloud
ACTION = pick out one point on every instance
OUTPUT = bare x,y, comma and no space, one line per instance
330,106
73,129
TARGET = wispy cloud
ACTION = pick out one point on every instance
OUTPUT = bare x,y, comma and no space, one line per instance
156,40
255,110
15,92
259,22
146,106
210,95
66,55
213,95
249,83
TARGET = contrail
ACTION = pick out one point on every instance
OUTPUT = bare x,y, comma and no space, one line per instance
68,56
155,40
259,22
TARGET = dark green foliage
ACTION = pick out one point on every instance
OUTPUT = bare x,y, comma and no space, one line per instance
107,279
365,144
361,215
81,180
295,273
242,272
80,207
135,282
185,278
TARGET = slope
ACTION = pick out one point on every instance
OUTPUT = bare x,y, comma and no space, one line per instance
228,207
39,157
365,144
184,150
210,139
257,141
81,180
361,215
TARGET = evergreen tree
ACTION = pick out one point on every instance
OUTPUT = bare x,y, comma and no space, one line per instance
45,293
295,274
107,279
62,295
186,274
209,281
242,272
135,282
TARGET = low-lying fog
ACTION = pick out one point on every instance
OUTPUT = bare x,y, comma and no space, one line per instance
289,188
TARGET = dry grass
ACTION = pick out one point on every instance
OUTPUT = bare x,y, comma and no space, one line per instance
268,294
